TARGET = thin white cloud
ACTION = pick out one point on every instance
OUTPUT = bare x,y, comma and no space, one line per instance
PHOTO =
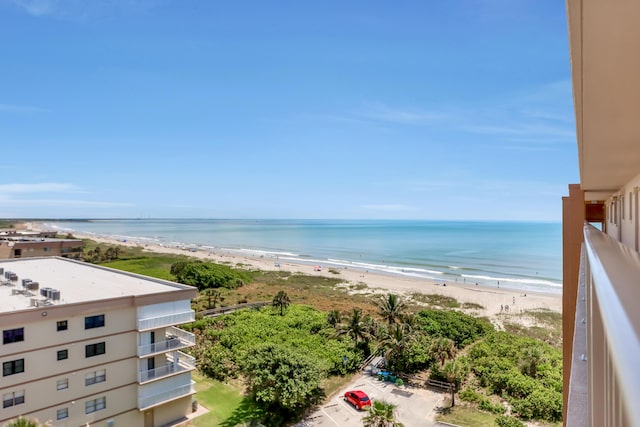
65,203
382,112
20,109
43,187
37,7
389,207
83,9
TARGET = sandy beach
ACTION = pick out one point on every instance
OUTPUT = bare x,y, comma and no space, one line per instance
497,301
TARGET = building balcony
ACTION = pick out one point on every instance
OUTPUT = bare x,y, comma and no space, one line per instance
175,339
181,363
605,374
158,322
146,402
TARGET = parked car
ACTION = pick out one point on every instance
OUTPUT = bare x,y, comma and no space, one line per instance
357,398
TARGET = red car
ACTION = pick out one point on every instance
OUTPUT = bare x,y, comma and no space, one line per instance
357,398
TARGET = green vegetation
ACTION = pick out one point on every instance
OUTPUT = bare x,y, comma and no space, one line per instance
466,416
281,301
462,329
205,275
381,414
222,400
158,266
494,367
506,421
436,300
525,371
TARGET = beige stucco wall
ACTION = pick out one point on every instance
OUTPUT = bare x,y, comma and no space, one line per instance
623,221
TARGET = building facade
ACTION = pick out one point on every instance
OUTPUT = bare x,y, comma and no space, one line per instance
87,345
31,247
601,218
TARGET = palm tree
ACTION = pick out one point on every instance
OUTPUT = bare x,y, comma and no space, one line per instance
282,301
391,308
355,326
394,344
334,317
381,415
443,349
213,295
530,360
454,371
23,422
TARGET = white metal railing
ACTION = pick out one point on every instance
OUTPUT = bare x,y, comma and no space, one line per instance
145,402
184,363
175,339
613,330
166,320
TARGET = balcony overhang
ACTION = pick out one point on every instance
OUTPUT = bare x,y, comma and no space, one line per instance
605,61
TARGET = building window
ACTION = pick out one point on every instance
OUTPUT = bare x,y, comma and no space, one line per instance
63,354
62,384
45,249
12,367
13,399
12,335
95,377
62,325
94,321
94,349
63,413
95,405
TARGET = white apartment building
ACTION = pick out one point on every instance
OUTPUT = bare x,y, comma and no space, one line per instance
88,345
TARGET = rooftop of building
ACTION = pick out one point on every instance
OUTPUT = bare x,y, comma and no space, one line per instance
75,281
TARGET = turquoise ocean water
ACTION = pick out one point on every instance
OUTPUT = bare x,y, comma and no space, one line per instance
520,255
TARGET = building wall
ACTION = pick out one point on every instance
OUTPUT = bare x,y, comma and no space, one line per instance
38,249
44,374
622,211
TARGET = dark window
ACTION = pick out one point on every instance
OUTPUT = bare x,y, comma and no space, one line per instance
94,321
63,354
63,413
62,325
95,405
12,335
95,377
94,349
12,367
12,399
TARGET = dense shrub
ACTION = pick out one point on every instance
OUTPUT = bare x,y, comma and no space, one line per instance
205,275
225,341
459,327
506,421
526,371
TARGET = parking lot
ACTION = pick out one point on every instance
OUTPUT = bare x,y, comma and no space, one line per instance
414,405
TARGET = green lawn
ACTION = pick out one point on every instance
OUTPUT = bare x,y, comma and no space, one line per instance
222,400
468,417
155,266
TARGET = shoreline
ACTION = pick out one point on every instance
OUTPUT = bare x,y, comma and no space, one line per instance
495,301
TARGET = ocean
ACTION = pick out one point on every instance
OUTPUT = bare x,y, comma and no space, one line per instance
519,255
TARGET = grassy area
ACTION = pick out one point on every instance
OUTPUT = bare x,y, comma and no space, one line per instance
472,306
467,417
333,384
436,300
222,401
154,266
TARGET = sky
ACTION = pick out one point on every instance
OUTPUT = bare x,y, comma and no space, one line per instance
285,109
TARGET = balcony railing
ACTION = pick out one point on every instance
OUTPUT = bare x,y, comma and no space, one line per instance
612,323
166,320
175,339
145,402
185,363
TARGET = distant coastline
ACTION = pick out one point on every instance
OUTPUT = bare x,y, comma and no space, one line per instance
519,255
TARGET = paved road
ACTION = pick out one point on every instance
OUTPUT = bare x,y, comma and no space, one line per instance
414,405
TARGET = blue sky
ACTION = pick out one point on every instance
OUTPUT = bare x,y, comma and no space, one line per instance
285,109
